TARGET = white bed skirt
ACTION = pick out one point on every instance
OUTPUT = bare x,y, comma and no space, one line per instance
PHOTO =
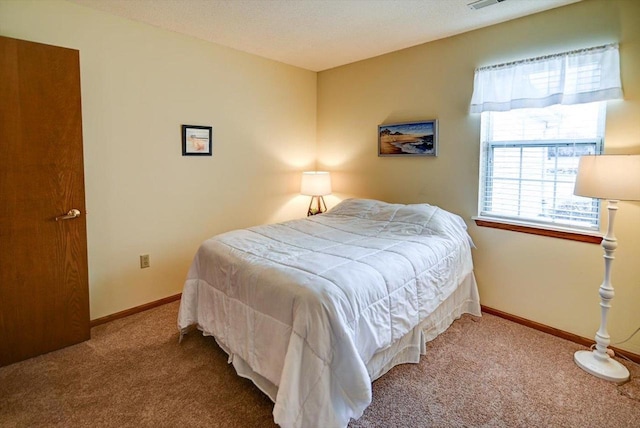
464,300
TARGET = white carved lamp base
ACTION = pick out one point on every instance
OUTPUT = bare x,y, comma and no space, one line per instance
607,368
598,362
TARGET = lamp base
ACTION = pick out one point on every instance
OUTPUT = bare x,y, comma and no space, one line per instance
321,207
608,369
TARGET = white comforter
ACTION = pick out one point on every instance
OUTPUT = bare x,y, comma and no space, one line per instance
307,304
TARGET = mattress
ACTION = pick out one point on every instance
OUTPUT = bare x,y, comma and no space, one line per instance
313,310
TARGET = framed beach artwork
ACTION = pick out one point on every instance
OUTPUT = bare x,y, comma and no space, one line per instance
408,139
196,140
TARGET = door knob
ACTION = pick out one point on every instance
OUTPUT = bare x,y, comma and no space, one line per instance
71,214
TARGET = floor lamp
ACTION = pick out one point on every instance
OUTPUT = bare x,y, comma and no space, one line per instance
611,177
316,184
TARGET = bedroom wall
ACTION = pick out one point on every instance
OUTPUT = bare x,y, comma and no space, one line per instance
139,84
547,280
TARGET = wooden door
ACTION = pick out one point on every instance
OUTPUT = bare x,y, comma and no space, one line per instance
44,296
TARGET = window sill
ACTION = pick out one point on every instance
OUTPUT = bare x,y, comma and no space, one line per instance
522,228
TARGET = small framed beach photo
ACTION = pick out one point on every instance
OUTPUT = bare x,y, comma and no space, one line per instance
197,140
408,139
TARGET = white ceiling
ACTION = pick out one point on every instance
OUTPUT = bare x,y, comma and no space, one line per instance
319,34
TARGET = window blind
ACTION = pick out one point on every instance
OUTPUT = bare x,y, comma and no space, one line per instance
530,163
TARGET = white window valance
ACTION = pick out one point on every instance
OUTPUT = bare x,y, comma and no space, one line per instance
575,77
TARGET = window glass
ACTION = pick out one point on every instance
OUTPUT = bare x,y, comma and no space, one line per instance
530,161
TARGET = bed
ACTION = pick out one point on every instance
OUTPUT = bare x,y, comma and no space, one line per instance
313,310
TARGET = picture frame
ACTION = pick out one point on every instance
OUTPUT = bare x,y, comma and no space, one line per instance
197,140
408,139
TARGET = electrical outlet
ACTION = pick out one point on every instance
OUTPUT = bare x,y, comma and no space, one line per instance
144,261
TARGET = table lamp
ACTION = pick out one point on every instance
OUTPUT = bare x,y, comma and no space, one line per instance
316,184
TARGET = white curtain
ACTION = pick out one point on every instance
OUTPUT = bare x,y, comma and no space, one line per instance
575,77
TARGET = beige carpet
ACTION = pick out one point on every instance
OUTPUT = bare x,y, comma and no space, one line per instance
483,372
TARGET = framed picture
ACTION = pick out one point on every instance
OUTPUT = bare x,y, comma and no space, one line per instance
196,140
408,139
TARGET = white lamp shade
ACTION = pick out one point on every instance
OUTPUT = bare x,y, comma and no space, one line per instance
315,183
614,177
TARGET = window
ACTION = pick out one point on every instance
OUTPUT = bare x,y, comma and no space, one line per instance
529,163
538,117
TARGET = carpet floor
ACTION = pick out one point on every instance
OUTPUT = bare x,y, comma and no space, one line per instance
482,372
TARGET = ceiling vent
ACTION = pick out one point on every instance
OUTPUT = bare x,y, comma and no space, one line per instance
483,3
